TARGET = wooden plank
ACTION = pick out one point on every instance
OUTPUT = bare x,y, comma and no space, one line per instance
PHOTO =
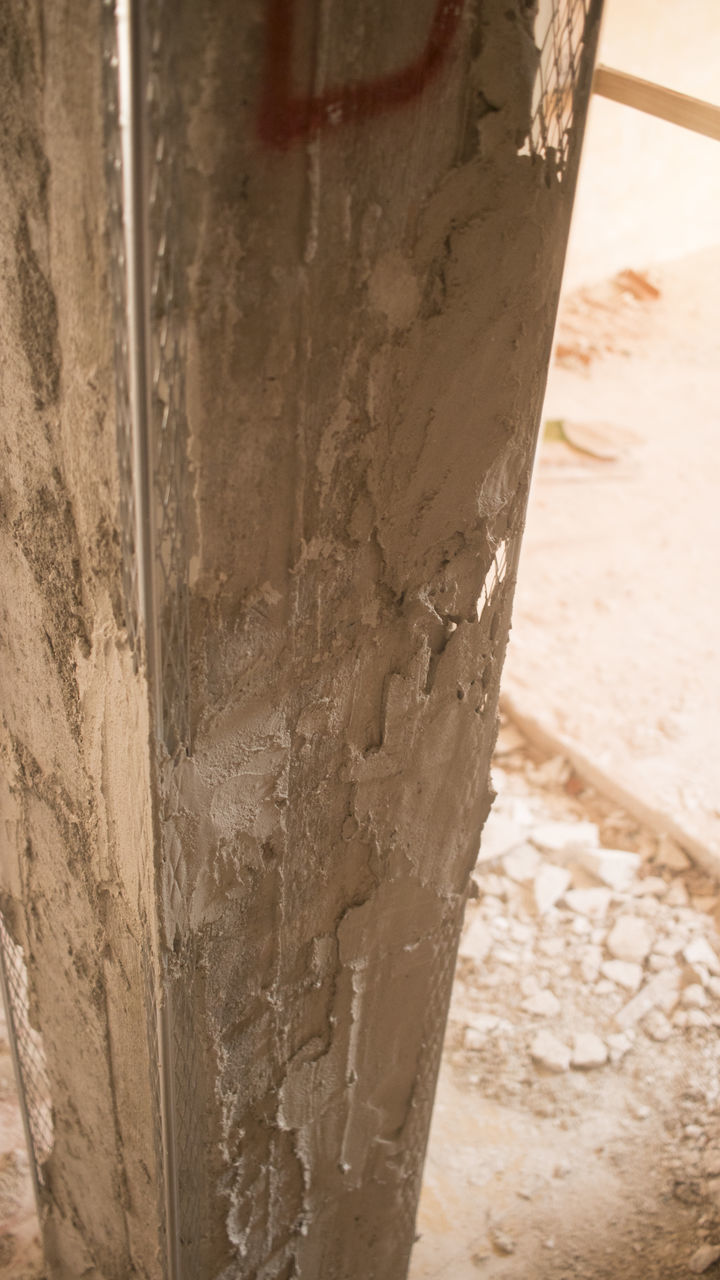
678,108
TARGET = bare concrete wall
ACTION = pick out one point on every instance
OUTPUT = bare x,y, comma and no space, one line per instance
364,285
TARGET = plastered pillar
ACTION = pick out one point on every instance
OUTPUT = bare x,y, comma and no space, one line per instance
263,545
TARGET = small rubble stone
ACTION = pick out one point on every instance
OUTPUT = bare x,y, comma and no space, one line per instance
589,902
698,1018
590,963
624,973
522,863
630,939
499,835
699,951
476,941
555,837
703,1258
616,868
549,1052
552,946
588,1051
544,1005
661,992
694,996
473,1039
549,886
670,945
686,1018
670,855
677,894
657,1026
651,886
503,1242
605,987
509,739
581,926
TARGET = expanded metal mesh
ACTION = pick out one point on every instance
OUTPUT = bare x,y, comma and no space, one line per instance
562,27
118,294
169,426
26,1043
189,1138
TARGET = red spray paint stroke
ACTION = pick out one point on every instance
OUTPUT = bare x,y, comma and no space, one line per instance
285,119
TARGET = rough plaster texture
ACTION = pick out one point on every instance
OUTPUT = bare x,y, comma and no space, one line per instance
367,319
76,873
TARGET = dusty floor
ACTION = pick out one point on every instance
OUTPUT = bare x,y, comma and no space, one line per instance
577,1125
615,643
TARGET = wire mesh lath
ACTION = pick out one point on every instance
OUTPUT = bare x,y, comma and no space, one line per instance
169,427
33,1084
118,295
558,75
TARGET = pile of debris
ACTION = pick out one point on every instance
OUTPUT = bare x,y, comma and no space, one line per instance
588,984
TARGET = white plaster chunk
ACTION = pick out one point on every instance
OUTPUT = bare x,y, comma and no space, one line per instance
694,996
590,963
624,973
631,939
543,1005
619,1044
550,1053
476,941
588,1051
499,835
473,1039
661,992
669,946
651,887
549,886
592,903
699,951
522,863
616,868
552,947
557,837
657,1026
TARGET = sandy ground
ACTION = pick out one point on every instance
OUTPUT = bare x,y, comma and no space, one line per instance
615,643
577,1126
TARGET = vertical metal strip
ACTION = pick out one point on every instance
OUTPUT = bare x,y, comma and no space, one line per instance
132,69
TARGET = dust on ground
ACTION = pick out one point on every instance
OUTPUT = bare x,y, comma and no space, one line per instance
615,647
577,1125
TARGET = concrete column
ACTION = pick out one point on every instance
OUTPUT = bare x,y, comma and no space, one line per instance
261,559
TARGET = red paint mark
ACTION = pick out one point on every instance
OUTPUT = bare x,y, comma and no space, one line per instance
285,118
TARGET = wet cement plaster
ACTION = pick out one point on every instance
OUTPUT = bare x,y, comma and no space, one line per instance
369,320
367,316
